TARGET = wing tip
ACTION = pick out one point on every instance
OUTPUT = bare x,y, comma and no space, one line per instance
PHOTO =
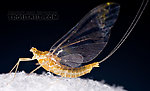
112,4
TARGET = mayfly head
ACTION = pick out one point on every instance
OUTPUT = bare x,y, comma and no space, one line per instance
35,52
38,54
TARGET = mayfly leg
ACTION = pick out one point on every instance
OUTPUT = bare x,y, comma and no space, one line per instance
17,64
40,65
35,69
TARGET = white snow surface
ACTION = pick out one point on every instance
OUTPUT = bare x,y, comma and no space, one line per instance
48,82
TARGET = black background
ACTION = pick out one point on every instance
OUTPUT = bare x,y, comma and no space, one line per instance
128,67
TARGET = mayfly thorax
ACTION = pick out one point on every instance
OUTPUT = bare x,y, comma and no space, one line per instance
82,43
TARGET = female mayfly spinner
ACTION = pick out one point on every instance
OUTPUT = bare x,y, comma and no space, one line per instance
80,45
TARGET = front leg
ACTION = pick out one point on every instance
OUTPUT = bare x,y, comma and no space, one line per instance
17,64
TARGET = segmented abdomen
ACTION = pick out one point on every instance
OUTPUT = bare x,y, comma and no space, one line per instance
75,72
66,71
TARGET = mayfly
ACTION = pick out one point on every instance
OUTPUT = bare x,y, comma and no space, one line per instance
82,43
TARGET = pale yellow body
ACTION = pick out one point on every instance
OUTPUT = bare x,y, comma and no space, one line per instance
51,63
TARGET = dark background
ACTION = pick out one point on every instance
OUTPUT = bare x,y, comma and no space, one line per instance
128,67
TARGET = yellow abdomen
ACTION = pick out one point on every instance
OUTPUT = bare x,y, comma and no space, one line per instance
66,71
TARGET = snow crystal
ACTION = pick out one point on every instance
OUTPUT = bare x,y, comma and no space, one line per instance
48,82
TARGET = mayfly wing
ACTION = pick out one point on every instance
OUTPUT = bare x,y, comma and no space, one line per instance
88,38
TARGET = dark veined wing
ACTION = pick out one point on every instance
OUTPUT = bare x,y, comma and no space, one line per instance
88,38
